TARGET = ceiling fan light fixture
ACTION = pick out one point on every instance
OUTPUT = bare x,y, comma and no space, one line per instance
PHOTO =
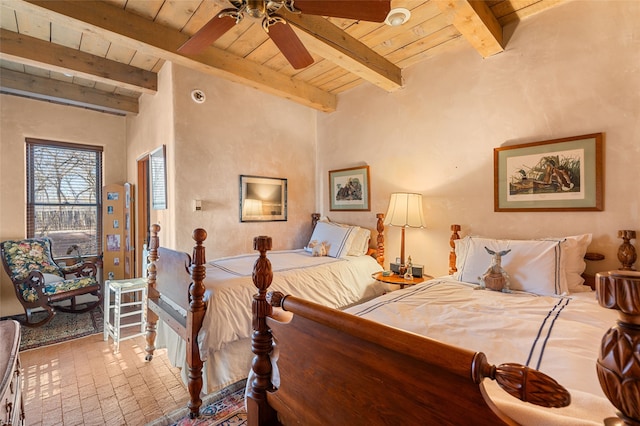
397,16
256,8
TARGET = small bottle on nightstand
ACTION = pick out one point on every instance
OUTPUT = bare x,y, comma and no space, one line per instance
408,275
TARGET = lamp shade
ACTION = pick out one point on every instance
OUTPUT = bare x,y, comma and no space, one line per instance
405,209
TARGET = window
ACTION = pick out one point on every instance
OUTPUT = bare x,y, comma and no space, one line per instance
158,179
64,183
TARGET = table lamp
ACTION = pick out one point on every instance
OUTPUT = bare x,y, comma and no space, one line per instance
405,210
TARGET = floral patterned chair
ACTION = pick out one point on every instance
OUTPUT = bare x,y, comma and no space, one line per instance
40,282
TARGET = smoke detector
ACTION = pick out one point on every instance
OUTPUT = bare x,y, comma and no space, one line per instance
198,96
397,16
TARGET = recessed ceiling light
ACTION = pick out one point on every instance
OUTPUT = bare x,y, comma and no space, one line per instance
397,16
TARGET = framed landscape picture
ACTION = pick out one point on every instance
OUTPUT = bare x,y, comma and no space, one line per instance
349,189
262,199
555,175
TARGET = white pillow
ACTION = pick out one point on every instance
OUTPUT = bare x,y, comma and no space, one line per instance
337,238
574,249
360,244
533,265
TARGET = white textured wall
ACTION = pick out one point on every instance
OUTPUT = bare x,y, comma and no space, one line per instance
149,130
571,70
239,131
22,118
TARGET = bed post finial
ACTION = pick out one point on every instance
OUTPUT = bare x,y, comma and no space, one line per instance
152,318
380,239
195,315
452,254
519,381
315,218
259,411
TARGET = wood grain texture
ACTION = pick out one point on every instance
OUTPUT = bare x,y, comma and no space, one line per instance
619,360
244,54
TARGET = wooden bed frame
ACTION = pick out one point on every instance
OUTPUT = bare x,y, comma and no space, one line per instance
171,277
337,368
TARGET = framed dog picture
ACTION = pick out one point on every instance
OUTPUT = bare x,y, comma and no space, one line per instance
349,189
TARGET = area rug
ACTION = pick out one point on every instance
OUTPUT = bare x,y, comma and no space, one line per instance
63,327
222,408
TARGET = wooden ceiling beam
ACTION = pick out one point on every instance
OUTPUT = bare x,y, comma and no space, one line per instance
476,23
18,83
129,29
38,53
330,42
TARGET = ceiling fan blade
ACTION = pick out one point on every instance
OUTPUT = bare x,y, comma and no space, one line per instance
210,32
290,45
364,10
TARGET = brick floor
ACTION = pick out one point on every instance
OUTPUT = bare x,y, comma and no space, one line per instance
83,382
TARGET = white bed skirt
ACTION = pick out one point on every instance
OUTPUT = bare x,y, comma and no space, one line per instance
223,367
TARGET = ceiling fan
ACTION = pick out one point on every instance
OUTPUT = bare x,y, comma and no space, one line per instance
278,29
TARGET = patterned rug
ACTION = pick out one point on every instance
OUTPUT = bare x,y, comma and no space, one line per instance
222,408
61,328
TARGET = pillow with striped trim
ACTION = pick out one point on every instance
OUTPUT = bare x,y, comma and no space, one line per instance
534,266
337,239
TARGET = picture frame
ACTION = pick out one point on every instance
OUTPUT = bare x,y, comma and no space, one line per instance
349,189
556,175
263,199
113,242
158,175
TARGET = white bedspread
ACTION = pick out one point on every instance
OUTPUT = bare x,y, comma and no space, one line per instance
224,338
559,336
332,282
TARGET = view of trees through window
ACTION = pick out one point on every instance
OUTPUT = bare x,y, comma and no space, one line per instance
64,196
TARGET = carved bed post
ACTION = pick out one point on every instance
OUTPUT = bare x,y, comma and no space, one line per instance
380,239
627,252
259,411
152,317
452,254
195,315
619,360
315,217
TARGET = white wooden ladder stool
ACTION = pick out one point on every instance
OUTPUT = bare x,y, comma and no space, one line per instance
125,314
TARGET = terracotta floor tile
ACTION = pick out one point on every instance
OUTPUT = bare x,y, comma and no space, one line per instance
73,417
83,382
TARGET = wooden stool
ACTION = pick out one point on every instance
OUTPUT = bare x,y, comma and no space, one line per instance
137,289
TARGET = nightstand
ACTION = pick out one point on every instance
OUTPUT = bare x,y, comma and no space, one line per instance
398,280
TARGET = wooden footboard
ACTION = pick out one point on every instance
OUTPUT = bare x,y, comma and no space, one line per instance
174,275
180,279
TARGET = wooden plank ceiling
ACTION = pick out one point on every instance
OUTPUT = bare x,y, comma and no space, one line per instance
103,55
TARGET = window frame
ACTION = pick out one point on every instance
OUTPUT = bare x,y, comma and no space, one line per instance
31,144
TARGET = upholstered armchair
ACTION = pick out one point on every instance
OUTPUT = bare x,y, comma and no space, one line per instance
40,283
